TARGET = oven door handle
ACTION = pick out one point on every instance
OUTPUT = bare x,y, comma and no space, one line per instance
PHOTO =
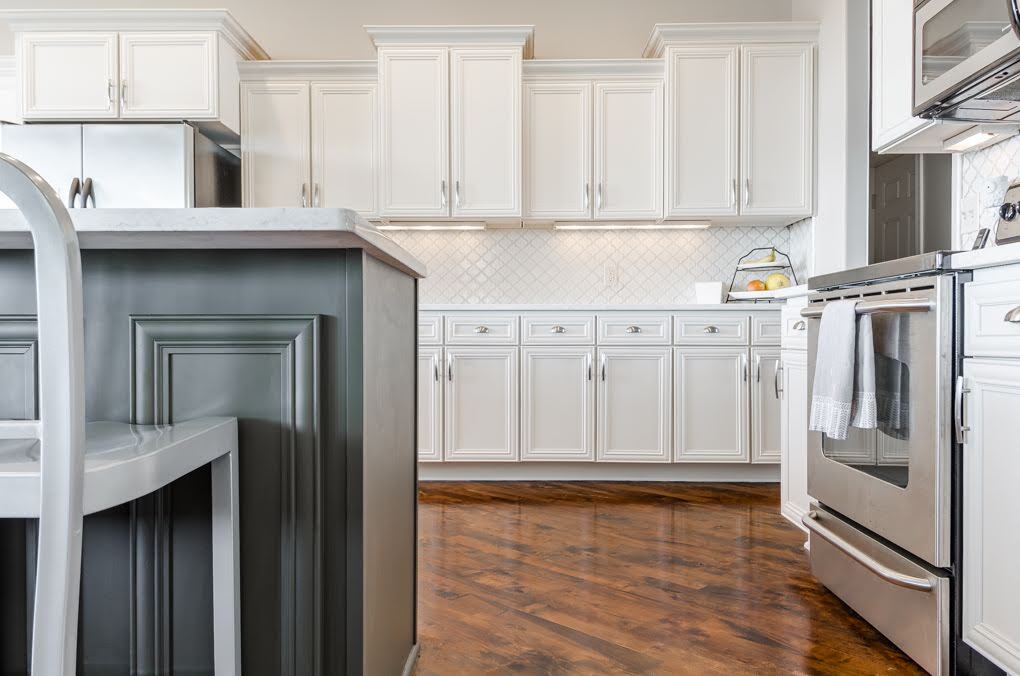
810,521
870,307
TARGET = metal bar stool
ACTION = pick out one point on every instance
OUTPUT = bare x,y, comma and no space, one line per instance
58,468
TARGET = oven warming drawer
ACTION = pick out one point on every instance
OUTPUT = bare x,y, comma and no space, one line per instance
904,600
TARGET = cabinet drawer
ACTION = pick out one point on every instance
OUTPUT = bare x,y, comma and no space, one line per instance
711,329
986,331
794,329
481,329
766,330
633,330
430,329
559,330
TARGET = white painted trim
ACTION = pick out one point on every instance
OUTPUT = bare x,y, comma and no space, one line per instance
522,36
412,659
319,71
594,471
78,20
956,187
793,513
551,69
666,34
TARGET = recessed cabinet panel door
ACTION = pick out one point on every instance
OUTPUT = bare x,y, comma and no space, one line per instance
414,106
991,511
557,153
777,108
68,75
558,403
430,403
168,75
481,403
628,149
702,133
711,404
766,437
633,404
486,132
344,147
275,144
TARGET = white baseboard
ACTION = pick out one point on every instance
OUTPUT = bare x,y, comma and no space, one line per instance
412,658
794,513
592,471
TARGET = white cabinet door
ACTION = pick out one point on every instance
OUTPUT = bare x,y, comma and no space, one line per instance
68,75
557,150
633,404
795,501
430,404
275,144
558,403
892,73
485,123
168,75
777,111
766,417
414,114
344,147
628,149
52,150
991,511
481,402
701,133
711,404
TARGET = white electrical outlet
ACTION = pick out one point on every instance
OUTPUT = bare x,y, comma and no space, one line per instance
611,275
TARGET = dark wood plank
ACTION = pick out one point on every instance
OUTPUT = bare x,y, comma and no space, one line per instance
636,578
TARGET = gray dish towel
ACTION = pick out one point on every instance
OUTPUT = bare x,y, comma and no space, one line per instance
844,384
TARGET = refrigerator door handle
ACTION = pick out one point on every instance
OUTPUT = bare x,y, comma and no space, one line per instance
74,192
86,193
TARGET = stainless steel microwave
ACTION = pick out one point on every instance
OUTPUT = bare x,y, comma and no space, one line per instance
967,59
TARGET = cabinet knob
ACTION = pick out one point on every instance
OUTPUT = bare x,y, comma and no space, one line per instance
801,325
711,329
633,329
1013,316
557,329
481,329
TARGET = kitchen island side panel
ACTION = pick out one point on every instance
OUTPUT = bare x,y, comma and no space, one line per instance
178,334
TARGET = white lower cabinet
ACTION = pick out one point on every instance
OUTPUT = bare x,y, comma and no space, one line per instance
711,404
766,439
633,404
991,511
558,403
481,404
794,499
430,404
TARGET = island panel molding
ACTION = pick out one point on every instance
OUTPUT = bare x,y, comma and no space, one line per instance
239,353
19,339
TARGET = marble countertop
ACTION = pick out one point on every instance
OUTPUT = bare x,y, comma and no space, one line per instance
559,307
992,256
278,228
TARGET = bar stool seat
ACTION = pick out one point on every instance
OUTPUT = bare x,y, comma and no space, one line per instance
122,462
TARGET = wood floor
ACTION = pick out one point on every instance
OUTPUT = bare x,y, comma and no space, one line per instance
600,578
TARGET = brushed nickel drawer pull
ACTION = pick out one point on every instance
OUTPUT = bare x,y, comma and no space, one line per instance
711,329
799,325
481,329
1013,316
633,329
557,329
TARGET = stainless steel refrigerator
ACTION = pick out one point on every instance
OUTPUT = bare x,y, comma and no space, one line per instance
127,165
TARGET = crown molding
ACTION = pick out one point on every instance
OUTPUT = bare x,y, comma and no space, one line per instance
319,71
667,34
558,69
517,36
219,20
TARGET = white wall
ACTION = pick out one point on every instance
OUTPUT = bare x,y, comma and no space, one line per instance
331,29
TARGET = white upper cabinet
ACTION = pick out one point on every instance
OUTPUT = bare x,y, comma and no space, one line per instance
634,388
628,150
702,134
274,146
168,75
557,150
711,404
414,105
68,75
125,64
344,146
485,123
777,113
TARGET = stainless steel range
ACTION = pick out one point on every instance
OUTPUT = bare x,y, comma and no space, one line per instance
882,531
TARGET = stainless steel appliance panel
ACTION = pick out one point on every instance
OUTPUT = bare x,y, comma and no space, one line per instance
132,164
53,150
895,481
907,602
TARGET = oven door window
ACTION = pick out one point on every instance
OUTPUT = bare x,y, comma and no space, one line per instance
884,453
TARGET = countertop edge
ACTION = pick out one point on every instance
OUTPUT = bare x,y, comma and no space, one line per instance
992,256
579,308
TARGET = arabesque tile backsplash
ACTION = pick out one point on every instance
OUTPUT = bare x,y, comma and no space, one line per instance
569,267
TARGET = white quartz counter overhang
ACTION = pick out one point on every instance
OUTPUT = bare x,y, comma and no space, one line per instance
222,228
992,256
559,307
